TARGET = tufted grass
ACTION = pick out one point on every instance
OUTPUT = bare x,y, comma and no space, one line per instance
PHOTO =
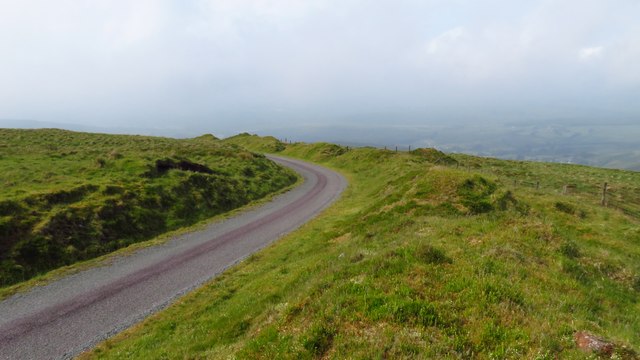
422,260
67,197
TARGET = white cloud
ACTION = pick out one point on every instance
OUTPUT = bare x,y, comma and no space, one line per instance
590,53
445,40
220,19
469,55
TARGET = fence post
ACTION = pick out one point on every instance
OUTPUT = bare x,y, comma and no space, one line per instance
409,148
396,149
604,194
537,185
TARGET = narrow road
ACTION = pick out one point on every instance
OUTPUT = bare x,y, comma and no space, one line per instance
70,315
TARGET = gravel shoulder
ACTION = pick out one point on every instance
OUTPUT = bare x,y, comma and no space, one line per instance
72,314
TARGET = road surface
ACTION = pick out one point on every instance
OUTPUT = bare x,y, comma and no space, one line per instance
70,315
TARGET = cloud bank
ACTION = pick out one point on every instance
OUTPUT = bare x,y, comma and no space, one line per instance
240,64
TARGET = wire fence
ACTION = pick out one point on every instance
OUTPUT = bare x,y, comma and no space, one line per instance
616,195
621,196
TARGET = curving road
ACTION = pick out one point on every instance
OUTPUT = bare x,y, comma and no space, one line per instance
70,315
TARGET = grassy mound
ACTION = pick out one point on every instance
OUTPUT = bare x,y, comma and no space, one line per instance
67,197
434,156
263,144
484,259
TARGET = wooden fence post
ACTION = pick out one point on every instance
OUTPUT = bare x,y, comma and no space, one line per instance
603,202
537,185
396,149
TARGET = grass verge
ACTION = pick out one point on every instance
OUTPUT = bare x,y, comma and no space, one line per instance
104,260
66,197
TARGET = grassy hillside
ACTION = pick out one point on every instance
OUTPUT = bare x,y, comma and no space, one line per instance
263,144
425,256
67,196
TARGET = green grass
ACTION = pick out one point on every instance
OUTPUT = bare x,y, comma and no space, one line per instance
266,144
422,260
67,197
106,259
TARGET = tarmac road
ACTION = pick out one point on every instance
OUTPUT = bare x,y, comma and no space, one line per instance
72,314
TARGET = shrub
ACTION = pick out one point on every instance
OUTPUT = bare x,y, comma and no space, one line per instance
432,255
67,197
100,162
570,249
434,156
506,200
319,340
333,150
474,194
565,207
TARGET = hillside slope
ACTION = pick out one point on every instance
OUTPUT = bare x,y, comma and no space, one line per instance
470,258
262,144
67,196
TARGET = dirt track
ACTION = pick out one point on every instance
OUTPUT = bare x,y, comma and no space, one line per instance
72,314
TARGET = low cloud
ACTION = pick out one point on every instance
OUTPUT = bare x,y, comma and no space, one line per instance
590,53
446,40
228,63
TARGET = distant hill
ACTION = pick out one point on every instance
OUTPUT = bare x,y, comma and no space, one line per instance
604,145
69,196
594,143
179,133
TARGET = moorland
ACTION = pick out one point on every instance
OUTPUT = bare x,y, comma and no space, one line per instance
427,255
66,197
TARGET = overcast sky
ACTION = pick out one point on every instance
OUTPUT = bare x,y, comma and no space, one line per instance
235,65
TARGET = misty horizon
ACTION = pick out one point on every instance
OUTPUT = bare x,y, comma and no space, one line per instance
610,146
344,71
